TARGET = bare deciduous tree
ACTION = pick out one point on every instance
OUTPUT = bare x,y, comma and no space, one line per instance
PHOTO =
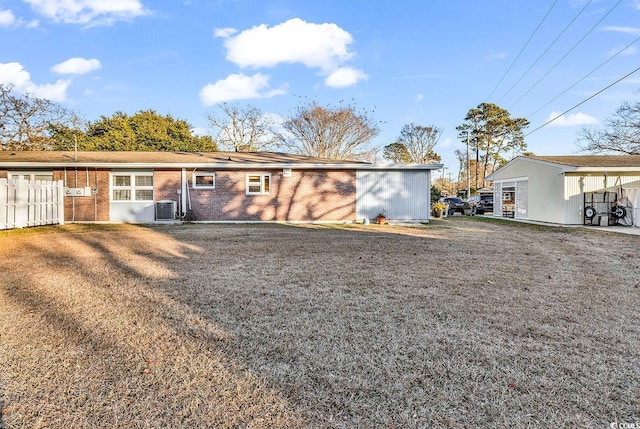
369,155
244,130
330,132
420,142
26,122
622,133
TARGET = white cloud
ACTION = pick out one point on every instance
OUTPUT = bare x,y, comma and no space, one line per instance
317,46
77,66
419,97
571,120
14,74
88,12
52,91
631,50
634,31
237,87
7,18
323,46
495,56
224,32
344,76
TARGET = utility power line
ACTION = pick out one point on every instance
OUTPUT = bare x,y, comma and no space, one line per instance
523,48
582,102
545,51
566,55
584,77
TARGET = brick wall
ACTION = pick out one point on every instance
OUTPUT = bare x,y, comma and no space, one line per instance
308,195
86,209
166,184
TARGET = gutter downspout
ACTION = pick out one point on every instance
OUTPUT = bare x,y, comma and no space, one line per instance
183,194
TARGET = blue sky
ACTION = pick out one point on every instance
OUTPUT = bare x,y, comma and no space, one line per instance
426,62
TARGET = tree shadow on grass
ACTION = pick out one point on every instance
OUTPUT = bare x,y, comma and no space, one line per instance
281,326
367,325
2,410
93,329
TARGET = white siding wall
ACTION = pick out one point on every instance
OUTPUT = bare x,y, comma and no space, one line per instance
546,201
556,197
402,195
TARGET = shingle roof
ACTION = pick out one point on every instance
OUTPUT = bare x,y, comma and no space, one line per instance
605,161
222,160
55,157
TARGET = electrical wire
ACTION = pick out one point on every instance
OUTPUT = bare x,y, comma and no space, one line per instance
582,102
565,55
584,77
523,48
546,50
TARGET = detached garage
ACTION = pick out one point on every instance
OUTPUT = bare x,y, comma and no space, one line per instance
568,190
146,187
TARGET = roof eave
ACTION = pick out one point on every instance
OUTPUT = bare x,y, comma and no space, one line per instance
225,165
605,169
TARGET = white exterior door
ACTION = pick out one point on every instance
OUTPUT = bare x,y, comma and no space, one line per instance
511,198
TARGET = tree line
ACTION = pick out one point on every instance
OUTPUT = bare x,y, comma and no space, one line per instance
337,132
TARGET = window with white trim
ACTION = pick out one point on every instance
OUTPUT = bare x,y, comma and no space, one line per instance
203,179
132,187
32,175
258,184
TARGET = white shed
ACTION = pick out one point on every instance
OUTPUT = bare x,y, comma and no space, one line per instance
558,189
402,194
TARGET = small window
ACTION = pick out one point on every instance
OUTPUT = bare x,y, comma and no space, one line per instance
203,179
32,175
121,180
43,177
121,195
258,184
144,180
144,194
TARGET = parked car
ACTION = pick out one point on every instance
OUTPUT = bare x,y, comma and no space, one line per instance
456,205
480,204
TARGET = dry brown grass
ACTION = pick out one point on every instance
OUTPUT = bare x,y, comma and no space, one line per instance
462,323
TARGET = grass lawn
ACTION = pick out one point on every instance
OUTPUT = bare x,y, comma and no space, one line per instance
461,323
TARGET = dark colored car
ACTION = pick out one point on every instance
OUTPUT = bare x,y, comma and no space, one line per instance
456,205
480,204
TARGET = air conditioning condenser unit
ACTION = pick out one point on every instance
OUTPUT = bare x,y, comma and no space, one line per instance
166,210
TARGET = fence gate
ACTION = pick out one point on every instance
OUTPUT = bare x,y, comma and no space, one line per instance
30,203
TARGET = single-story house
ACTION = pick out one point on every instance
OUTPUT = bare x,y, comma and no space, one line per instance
225,186
569,190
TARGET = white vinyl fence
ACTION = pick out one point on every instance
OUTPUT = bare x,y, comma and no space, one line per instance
30,203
